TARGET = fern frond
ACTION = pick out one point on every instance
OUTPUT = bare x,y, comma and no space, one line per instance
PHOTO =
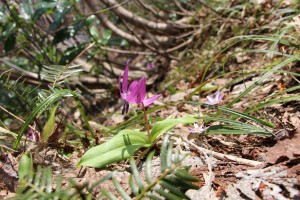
43,104
26,95
172,183
57,74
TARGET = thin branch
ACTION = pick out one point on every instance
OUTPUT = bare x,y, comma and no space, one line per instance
180,6
18,118
224,156
205,5
104,19
127,51
169,27
150,9
25,72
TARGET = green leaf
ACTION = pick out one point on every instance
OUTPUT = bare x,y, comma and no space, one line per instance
118,148
106,36
184,175
118,187
136,173
41,107
167,195
25,169
236,129
10,43
172,189
68,32
246,116
167,124
50,125
261,79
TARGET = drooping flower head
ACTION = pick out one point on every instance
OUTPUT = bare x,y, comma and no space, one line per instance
213,100
135,93
198,129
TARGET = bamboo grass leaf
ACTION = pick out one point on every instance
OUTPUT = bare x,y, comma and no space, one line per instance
234,129
246,116
258,82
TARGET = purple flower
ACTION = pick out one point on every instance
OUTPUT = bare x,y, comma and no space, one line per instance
135,93
33,136
198,129
140,99
214,100
150,65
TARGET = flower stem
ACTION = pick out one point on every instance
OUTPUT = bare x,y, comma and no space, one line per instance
146,122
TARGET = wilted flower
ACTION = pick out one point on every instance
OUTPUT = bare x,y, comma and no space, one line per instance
214,100
198,129
135,93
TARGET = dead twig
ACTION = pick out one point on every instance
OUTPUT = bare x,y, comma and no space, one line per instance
18,118
224,156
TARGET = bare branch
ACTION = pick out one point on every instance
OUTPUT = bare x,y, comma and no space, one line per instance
169,27
110,25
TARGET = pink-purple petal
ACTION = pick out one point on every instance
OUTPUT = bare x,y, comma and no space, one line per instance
132,96
210,98
142,93
217,95
209,103
133,86
150,100
220,97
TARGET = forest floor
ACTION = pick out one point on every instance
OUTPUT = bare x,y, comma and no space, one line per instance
229,166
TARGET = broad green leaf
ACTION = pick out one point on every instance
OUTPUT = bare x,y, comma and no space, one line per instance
167,124
50,125
118,148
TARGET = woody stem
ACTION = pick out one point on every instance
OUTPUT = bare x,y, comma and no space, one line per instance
146,122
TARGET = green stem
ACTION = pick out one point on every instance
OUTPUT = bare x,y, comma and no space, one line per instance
146,122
